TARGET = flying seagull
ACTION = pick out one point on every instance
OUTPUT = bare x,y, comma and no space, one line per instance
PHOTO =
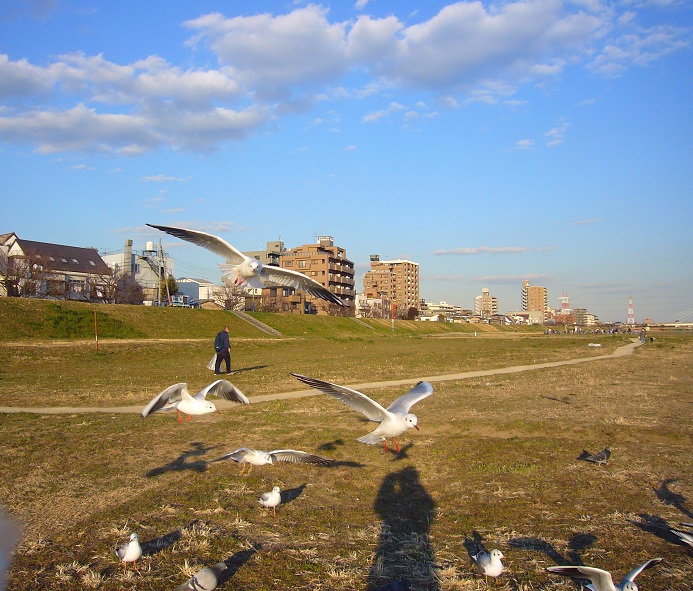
256,457
130,552
601,457
178,397
685,536
601,579
244,269
206,579
394,420
271,499
489,563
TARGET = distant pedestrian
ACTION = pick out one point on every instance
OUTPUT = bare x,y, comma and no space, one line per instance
222,346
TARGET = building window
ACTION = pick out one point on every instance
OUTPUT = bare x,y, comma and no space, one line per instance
301,264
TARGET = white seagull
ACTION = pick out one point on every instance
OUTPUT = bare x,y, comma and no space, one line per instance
130,552
489,563
394,420
271,499
242,269
178,397
205,579
601,579
684,536
256,457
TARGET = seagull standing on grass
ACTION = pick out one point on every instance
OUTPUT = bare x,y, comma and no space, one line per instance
206,579
256,457
489,563
130,552
394,420
243,269
178,397
270,500
601,579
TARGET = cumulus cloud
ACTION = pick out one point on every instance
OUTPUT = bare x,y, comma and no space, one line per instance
270,65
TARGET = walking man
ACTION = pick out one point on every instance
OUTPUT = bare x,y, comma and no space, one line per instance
222,346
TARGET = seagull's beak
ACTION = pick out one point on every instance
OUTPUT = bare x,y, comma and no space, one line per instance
417,427
218,411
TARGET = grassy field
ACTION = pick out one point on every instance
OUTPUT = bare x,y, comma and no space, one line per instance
495,462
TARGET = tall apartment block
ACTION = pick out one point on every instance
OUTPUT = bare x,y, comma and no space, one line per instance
328,265
324,262
534,298
485,305
396,281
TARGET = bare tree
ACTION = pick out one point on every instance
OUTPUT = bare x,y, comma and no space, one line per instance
229,297
27,276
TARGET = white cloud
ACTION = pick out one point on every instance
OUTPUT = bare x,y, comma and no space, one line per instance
556,135
160,178
491,250
526,144
271,65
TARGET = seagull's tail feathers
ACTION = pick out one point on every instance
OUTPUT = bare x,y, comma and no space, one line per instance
371,439
232,274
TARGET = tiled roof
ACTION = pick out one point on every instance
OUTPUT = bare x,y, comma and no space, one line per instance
65,259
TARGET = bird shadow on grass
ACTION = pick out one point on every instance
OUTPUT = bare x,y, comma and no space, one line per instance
577,543
564,400
404,551
331,445
244,369
669,497
182,462
236,561
291,494
151,547
657,526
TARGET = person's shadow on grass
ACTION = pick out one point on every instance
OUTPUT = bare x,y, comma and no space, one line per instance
404,553
182,461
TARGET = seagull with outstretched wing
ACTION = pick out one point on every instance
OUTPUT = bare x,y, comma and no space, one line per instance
394,420
178,397
601,579
242,269
258,457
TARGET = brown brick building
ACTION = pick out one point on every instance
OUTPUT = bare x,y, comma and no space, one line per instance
325,263
396,282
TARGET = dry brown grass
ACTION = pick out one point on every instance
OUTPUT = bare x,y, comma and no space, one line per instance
494,464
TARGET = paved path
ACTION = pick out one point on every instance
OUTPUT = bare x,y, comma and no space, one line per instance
222,404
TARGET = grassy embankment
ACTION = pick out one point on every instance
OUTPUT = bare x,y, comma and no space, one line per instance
494,463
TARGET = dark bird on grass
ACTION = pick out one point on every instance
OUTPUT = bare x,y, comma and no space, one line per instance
130,552
178,397
601,457
601,579
256,457
394,420
206,579
241,269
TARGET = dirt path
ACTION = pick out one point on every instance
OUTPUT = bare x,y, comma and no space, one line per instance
222,404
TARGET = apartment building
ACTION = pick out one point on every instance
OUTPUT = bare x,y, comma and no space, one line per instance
395,282
324,262
535,299
485,305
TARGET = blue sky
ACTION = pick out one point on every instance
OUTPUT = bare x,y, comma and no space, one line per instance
489,142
